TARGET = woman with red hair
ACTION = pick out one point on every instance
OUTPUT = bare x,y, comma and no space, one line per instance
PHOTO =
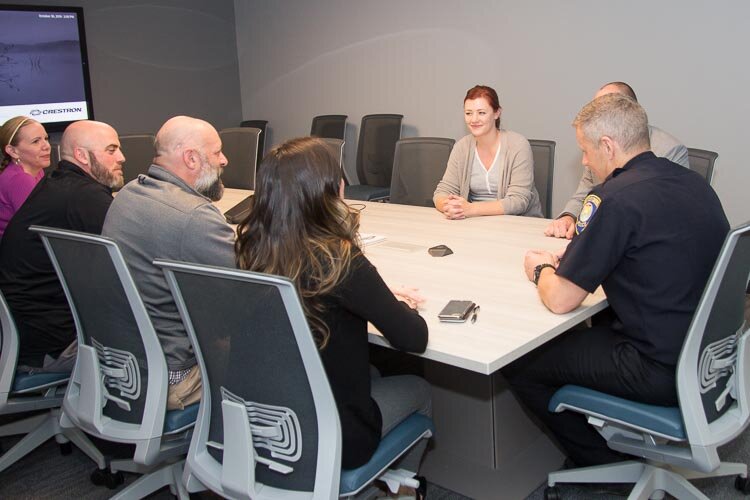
491,170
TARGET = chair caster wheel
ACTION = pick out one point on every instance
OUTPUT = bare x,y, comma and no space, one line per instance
552,493
105,477
66,448
742,484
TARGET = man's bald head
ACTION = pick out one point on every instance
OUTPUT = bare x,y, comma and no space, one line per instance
191,149
616,88
183,132
95,148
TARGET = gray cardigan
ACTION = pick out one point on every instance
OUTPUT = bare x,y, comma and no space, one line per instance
160,216
515,190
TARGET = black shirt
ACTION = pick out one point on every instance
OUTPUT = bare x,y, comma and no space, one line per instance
361,297
650,235
68,198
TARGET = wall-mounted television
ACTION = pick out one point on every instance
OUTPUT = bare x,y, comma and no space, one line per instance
44,70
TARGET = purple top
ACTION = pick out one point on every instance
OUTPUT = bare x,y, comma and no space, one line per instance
15,186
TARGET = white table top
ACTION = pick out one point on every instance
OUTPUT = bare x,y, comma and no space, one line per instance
486,266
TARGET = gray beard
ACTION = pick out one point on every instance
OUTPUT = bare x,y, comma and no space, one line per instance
215,191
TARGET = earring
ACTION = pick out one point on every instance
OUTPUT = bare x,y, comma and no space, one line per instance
17,161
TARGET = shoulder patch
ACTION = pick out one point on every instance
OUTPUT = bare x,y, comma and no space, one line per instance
590,206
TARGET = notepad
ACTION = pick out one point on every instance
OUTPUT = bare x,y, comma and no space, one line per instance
370,239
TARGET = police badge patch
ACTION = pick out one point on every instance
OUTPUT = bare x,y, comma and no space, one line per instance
590,206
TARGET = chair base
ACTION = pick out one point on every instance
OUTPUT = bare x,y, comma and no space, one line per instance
650,480
169,475
40,428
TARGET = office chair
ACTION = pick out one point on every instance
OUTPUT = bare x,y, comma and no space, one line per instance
544,170
378,135
337,147
40,394
329,126
54,155
240,146
713,374
139,154
702,161
261,125
264,383
118,389
418,166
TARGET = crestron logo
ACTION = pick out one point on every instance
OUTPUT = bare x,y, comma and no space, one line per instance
35,112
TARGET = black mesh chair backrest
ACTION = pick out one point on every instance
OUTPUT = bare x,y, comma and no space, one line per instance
331,126
725,318
54,158
544,169
102,311
240,146
260,125
418,166
247,344
378,135
139,153
702,161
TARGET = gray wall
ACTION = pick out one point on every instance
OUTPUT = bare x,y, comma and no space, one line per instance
150,61
546,58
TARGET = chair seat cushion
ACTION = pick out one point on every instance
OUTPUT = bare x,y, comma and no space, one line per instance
663,420
364,192
26,382
179,420
390,448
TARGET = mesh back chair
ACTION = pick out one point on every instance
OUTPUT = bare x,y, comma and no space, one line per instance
260,125
418,166
713,372
54,155
544,169
702,161
139,154
40,394
337,147
378,135
264,384
240,146
118,390
331,126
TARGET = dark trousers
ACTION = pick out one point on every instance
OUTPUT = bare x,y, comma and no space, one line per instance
598,358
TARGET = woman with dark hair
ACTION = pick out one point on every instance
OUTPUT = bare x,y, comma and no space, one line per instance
491,170
300,227
25,153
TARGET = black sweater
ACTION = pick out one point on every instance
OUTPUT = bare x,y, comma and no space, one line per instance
361,297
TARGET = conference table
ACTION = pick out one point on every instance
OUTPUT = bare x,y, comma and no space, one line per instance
484,445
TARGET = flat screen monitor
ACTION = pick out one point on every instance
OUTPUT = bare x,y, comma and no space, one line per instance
44,70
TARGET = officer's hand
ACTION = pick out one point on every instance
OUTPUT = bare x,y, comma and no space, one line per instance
535,257
563,227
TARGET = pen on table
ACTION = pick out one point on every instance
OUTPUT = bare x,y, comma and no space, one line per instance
475,314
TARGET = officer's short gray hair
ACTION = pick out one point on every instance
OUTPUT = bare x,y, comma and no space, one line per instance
618,117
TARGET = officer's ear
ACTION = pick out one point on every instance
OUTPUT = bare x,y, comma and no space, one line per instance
608,146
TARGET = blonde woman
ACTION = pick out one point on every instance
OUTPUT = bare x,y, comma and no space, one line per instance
25,154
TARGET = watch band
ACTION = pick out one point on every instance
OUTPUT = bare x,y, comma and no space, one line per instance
538,272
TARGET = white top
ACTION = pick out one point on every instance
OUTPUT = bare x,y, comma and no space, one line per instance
484,181
486,267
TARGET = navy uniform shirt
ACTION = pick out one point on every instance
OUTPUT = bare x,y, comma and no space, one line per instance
650,235
67,198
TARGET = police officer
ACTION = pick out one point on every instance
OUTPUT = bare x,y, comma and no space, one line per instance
649,235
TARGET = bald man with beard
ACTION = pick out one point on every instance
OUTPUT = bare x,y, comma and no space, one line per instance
76,195
167,213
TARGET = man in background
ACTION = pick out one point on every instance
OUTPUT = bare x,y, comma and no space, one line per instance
662,144
168,213
76,195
